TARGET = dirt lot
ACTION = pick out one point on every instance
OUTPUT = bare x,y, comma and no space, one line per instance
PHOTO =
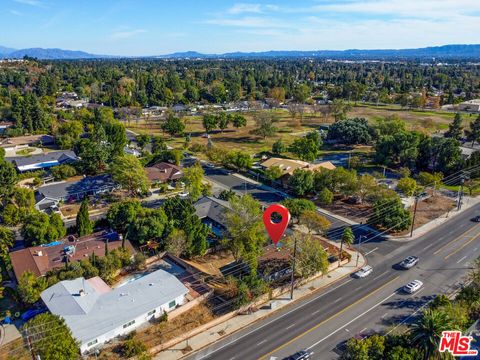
356,212
164,331
432,208
15,350
211,263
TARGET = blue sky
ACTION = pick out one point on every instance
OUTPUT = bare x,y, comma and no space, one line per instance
149,27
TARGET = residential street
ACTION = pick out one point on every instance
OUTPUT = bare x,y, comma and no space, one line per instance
361,306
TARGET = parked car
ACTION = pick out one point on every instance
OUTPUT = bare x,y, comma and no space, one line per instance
409,262
363,272
301,355
30,314
413,286
476,218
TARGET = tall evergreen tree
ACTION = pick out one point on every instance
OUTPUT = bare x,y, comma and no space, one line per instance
84,225
473,134
455,128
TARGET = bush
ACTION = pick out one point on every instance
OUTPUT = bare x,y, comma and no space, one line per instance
325,197
62,172
133,347
407,186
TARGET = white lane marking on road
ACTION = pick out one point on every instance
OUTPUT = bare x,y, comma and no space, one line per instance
463,258
316,311
347,330
361,331
419,291
429,246
290,326
273,320
263,341
371,251
376,277
351,321
475,249
384,315
340,298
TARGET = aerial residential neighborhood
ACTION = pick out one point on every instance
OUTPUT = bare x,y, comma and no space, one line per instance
240,180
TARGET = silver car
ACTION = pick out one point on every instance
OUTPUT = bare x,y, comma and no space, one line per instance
409,262
413,286
364,272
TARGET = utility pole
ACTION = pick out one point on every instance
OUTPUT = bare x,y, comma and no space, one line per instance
460,193
414,214
29,342
292,278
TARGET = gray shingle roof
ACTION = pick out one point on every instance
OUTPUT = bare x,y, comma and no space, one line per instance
210,207
94,314
59,156
65,189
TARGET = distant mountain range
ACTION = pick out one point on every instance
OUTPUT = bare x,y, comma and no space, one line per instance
439,52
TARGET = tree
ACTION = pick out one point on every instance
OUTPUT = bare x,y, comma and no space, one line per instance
123,213
351,131
325,196
226,195
30,287
173,126
370,348
8,178
94,153
241,160
455,128
7,240
442,154
389,213
68,133
62,172
84,225
314,222
311,257
301,181
278,94
39,228
473,134
116,137
23,198
148,225
181,214
297,207
399,149
223,121
307,148
239,121
246,231
428,179
45,327
193,181
143,140
127,171
366,186
301,93
427,331
209,122
278,147
339,109
407,186
176,242
273,173
265,124
347,238
390,125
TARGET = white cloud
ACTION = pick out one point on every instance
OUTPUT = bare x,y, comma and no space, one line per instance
126,34
241,8
15,12
248,22
35,3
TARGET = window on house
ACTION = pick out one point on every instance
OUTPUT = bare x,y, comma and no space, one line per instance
172,304
128,324
151,312
93,342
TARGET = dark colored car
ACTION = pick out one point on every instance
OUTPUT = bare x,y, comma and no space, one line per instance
301,355
476,218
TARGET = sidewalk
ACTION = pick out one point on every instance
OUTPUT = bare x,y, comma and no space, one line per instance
238,322
422,230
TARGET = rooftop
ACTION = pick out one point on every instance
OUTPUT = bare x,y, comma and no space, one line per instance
43,258
90,313
288,166
163,172
212,208
52,156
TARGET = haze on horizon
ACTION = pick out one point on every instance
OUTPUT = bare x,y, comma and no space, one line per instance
148,27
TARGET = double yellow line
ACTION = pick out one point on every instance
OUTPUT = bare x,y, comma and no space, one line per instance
461,247
457,238
326,320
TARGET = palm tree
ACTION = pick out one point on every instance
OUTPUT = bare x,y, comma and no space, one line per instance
427,331
347,238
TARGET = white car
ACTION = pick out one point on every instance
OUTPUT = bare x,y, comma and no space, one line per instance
413,286
183,194
409,262
364,272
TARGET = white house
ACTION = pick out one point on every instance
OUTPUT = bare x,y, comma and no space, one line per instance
95,313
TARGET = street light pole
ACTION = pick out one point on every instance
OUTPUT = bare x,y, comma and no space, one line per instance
460,193
292,278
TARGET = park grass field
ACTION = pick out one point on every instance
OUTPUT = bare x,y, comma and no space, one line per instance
289,128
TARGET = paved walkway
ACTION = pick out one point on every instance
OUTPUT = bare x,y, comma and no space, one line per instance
241,321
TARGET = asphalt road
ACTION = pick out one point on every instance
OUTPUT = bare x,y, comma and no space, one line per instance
326,319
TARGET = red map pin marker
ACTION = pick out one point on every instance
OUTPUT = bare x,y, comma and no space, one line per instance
276,230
